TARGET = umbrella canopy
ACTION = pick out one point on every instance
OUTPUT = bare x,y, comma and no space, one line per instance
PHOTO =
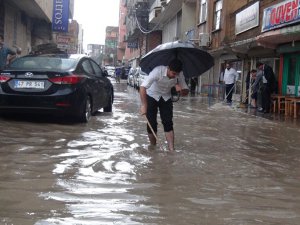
194,60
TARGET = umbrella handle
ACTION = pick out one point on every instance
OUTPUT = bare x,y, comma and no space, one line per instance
177,97
173,90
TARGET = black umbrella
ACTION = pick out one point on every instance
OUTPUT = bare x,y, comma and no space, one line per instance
195,61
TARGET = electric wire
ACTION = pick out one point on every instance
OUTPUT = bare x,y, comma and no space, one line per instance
144,30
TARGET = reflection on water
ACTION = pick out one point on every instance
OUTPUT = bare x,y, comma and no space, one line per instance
229,168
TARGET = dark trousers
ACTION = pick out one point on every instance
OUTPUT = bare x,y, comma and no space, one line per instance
266,98
229,91
165,110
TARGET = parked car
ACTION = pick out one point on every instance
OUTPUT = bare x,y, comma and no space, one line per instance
140,77
65,84
111,70
130,78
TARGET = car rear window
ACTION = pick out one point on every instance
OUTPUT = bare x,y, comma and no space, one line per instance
51,63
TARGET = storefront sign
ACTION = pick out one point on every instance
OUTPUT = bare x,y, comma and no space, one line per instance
247,19
281,14
132,44
60,17
60,39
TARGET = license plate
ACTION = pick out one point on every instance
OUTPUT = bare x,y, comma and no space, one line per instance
29,84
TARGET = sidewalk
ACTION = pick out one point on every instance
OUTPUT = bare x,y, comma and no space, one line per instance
244,108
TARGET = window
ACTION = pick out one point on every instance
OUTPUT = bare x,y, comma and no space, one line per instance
87,67
97,69
203,11
217,16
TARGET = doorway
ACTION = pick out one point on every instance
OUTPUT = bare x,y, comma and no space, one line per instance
291,75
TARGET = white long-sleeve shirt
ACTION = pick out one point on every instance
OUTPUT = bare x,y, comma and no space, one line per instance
230,76
158,84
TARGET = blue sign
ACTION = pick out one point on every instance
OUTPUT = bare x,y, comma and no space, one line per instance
132,44
60,18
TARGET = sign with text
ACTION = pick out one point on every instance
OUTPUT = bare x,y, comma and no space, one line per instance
132,44
281,14
60,17
247,19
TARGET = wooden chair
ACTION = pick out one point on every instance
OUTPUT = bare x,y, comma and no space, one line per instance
294,106
278,102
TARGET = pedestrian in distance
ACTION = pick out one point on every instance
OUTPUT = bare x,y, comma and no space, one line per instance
252,89
230,77
6,54
257,89
155,93
118,74
267,86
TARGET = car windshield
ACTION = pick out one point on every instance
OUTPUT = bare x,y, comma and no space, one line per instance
43,62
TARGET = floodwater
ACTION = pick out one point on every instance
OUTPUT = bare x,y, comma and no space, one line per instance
229,168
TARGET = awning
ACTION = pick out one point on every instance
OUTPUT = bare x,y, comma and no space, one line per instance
31,8
272,39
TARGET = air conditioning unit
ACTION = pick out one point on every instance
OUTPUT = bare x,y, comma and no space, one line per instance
163,3
154,13
204,39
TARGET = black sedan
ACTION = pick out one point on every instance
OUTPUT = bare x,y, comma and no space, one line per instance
63,84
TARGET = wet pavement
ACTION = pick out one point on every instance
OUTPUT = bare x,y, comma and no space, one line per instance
231,167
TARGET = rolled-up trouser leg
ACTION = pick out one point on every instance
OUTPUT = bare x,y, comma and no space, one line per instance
166,114
152,109
229,92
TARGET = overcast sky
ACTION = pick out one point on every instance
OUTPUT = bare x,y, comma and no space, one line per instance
95,16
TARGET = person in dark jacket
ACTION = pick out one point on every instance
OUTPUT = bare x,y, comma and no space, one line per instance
268,86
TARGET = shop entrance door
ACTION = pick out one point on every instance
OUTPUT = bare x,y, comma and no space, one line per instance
291,75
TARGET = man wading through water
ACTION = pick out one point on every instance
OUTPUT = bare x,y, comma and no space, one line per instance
155,94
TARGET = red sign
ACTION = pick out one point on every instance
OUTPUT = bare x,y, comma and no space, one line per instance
282,14
63,39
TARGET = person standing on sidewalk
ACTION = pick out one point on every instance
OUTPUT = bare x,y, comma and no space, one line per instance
268,86
230,77
6,54
155,93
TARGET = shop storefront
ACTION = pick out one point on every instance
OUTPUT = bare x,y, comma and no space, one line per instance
290,80
281,31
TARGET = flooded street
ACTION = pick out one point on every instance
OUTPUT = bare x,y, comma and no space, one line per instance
229,168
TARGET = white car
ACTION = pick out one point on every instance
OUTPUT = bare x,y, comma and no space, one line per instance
130,77
140,76
110,70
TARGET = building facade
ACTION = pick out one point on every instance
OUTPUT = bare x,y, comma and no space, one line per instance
28,23
122,34
245,32
96,52
240,32
24,24
141,36
111,46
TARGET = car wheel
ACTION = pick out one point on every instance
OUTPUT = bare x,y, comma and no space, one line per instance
108,108
86,112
